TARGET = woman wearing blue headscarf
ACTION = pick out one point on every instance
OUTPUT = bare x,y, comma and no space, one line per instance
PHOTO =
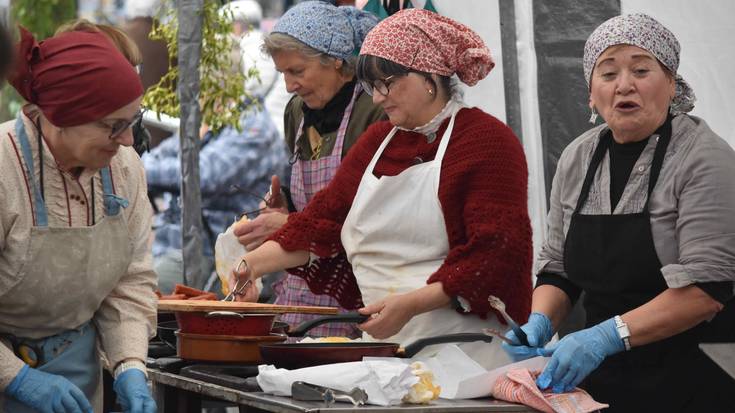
315,45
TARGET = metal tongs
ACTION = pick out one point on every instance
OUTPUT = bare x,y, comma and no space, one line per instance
239,286
499,305
301,390
495,333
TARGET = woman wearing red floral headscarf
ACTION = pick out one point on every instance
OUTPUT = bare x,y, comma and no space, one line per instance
75,226
427,216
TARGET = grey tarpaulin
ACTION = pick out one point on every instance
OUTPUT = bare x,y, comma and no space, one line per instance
510,66
190,46
560,30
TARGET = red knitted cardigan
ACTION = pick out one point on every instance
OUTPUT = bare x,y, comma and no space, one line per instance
483,194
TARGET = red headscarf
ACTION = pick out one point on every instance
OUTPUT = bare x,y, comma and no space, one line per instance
75,77
423,40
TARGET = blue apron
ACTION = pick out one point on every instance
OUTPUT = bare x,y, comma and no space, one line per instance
71,353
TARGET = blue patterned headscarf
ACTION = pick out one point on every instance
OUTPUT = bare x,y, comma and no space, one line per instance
643,31
336,31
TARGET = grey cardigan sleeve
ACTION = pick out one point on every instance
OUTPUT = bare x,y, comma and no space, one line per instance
705,226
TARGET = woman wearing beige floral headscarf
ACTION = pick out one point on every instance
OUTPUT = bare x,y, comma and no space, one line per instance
647,233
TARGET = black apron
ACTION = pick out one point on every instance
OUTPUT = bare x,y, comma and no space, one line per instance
613,259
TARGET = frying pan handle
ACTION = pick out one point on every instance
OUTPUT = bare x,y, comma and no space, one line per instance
418,345
301,329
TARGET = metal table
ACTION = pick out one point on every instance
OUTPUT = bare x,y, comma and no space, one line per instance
178,394
723,354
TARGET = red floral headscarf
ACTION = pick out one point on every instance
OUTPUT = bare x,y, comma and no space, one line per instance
75,77
425,41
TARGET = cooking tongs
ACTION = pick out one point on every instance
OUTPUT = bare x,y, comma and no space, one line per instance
301,390
239,286
499,305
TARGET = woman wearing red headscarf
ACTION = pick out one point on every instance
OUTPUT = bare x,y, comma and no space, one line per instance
75,222
427,216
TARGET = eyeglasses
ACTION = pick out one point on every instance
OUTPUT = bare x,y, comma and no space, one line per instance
381,85
120,126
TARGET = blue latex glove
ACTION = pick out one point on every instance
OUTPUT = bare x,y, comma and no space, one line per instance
132,392
539,331
47,393
577,354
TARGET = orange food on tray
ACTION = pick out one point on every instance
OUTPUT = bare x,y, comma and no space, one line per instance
173,297
205,297
183,292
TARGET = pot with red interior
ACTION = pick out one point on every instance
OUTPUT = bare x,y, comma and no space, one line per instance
298,355
224,336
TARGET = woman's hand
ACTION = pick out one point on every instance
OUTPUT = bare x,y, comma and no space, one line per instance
252,234
47,393
132,391
388,315
576,355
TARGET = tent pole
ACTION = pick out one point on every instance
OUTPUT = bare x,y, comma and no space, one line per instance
510,66
190,47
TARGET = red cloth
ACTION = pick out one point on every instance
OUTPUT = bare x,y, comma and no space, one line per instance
483,192
425,41
75,77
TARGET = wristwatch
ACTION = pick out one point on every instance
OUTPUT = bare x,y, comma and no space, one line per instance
623,331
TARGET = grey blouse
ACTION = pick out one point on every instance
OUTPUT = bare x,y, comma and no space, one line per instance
692,206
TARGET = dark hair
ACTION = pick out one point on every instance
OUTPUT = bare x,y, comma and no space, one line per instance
372,68
6,52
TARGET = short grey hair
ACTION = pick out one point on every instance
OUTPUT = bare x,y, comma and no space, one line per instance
279,42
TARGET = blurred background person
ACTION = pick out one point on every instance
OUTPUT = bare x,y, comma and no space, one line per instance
140,16
235,167
247,16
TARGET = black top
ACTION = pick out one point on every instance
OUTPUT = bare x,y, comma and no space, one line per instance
623,157
328,118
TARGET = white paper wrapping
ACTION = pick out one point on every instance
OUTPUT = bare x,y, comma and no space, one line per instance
227,254
460,377
384,381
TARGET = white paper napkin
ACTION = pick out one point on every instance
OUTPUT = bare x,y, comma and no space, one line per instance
385,382
460,377
227,254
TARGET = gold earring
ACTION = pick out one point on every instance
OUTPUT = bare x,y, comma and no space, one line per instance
431,91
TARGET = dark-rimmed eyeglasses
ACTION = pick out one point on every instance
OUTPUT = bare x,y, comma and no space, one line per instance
381,85
120,126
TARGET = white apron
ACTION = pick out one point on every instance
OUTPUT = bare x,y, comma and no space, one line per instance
395,238
68,272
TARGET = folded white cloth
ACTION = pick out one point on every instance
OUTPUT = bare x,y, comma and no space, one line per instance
385,382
